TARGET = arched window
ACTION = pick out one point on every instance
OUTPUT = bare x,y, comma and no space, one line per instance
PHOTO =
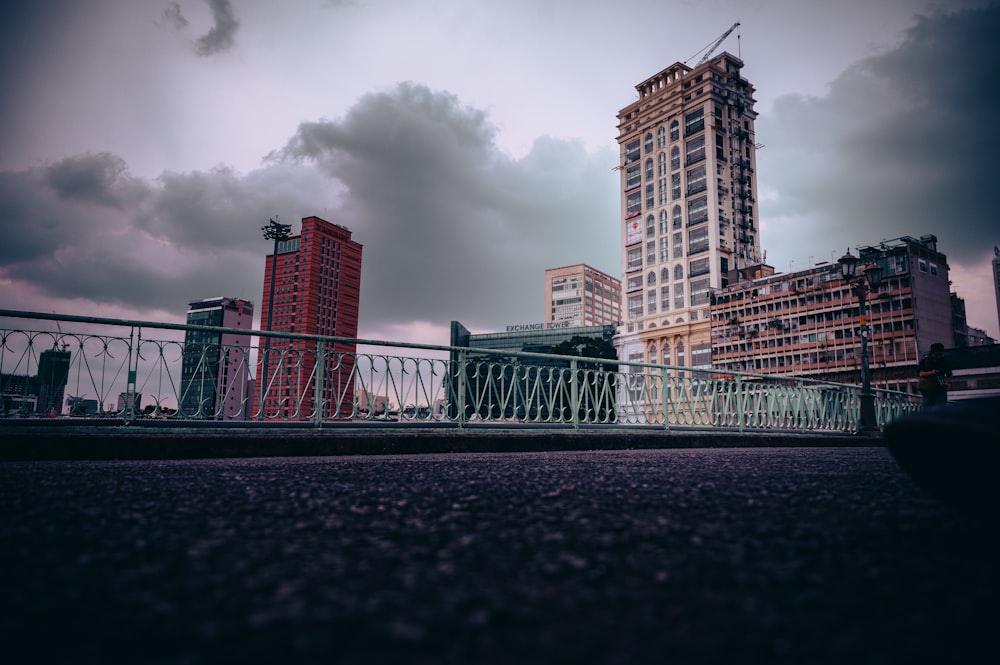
680,355
666,354
651,279
665,275
649,169
675,130
678,217
650,226
678,273
648,143
661,137
675,158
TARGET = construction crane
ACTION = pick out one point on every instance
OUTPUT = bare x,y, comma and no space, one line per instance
711,48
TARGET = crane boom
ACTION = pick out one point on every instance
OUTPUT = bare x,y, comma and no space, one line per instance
711,49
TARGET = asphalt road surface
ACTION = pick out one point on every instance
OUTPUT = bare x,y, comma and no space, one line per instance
814,555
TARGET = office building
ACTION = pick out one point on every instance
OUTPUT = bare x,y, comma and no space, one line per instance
807,323
579,295
498,387
215,372
317,292
688,195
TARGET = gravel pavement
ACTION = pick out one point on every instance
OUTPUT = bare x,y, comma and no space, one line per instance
769,555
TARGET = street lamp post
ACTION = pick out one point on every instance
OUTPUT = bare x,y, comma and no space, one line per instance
277,232
868,282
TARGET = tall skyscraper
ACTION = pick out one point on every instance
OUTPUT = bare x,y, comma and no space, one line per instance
687,206
579,295
215,372
317,292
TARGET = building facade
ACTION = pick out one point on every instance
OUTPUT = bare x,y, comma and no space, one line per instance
807,323
215,372
579,295
687,206
317,292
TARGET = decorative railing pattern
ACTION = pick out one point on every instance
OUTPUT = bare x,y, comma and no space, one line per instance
92,368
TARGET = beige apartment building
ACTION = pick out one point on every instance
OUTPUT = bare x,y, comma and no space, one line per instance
807,323
688,221
579,295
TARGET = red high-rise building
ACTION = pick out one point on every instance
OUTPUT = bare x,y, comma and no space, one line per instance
317,291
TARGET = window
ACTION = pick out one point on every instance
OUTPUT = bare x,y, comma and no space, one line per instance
934,269
679,274
633,204
694,150
633,176
650,252
649,169
665,275
663,191
632,151
662,163
634,258
699,292
663,221
648,144
664,298
922,264
697,210
650,201
698,267
697,180
650,226
694,122
679,295
661,137
635,306
664,249
651,278
675,132
675,158
634,283
678,217
651,301
698,242
675,186
701,356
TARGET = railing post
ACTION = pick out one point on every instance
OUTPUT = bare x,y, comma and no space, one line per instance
664,397
461,386
574,392
739,402
320,368
135,338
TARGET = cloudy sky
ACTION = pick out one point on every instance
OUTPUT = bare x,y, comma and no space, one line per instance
468,144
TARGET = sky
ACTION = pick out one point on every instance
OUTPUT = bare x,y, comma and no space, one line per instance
468,145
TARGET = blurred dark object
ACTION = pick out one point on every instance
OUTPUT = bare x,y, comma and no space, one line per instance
953,452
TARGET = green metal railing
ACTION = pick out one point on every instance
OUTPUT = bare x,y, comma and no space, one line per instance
100,368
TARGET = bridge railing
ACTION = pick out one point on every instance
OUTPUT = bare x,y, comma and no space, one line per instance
91,368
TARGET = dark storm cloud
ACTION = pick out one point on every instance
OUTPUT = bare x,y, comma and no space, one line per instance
903,144
452,227
174,16
222,35
100,179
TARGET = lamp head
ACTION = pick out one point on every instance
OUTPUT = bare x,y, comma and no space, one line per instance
848,265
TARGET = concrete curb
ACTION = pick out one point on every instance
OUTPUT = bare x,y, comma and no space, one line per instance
25,443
